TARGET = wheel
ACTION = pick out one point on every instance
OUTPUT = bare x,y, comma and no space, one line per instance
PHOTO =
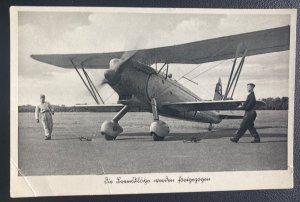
110,129
108,137
157,138
159,130
210,127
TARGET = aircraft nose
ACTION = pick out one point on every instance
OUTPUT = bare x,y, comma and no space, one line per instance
112,75
114,63
109,74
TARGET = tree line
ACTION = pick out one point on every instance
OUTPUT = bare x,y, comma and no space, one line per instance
64,108
271,104
276,103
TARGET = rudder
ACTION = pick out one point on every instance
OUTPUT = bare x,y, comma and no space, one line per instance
218,91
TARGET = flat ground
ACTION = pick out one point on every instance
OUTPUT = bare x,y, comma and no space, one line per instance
134,151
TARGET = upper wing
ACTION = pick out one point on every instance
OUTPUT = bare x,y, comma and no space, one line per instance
89,60
209,105
258,42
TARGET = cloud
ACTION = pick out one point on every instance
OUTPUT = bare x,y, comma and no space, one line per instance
48,32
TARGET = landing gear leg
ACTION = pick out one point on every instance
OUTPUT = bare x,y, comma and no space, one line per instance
210,127
111,129
158,129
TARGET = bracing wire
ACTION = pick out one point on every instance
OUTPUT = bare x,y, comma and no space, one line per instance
213,67
189,72
202,63
109,96
201,73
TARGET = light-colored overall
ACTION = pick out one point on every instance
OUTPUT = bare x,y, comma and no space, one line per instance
45,110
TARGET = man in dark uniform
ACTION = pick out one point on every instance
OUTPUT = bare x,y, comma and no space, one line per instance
249,117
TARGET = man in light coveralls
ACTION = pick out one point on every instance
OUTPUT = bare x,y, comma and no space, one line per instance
45,112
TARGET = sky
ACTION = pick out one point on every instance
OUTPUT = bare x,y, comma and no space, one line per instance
82,32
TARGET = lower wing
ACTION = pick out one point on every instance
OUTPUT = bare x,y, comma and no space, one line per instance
100,108
210,105
107,108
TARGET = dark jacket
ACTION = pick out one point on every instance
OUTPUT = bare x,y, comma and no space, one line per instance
250,102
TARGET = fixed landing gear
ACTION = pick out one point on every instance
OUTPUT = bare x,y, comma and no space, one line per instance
210,127
157,138
158,129
109,138
111,129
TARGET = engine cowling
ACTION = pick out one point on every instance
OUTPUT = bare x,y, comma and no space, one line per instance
159,129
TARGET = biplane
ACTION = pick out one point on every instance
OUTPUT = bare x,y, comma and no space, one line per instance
138,84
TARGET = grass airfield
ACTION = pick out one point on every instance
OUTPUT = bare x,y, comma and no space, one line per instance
134,151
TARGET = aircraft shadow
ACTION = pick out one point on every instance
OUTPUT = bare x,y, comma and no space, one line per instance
188,136
212,135
266,141
145,136
131,138
63,138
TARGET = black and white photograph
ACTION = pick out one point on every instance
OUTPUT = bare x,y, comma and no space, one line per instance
132,100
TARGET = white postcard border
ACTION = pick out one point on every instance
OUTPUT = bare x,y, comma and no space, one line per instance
28,186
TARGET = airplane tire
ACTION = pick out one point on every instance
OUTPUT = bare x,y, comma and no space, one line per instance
157,138
110,130
108,137
159,129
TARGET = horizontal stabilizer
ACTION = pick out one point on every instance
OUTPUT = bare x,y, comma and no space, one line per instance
222,116
210,105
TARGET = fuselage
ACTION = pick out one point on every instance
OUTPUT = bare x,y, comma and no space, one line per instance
139,83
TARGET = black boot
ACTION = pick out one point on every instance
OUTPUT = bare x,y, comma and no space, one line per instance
256,139
234,139
48,137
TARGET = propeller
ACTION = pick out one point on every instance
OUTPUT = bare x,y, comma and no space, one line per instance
113,74
117,63
102,83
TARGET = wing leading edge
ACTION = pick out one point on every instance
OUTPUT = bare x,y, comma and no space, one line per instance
108,108
222,48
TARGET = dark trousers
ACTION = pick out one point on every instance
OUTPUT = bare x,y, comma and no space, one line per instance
248,124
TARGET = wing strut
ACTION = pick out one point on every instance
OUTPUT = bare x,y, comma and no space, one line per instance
235,75
88,83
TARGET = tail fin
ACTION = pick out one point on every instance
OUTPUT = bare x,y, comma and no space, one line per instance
218,91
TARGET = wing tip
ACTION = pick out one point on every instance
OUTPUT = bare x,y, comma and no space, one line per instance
35,57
